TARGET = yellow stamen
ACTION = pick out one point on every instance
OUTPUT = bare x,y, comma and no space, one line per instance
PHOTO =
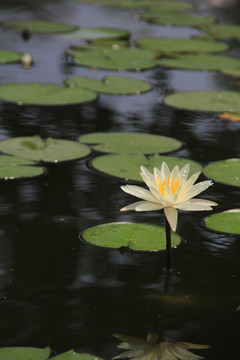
173,185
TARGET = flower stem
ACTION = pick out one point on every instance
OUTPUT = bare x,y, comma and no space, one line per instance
168,246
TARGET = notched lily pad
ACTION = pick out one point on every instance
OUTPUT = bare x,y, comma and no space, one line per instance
26,353
127,166
8,56
225,171
44,94
117,85
50,150
178,19
217,101
38,26
135,236
226,221
130,143
98,33
12,167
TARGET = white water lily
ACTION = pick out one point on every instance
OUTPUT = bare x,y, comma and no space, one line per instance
169,191
153,349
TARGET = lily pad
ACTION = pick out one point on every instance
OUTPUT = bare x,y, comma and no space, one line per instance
44,94
98,33
114,59
178,19
168,45
217,101
135,236
231,72
226,221
38,26
130,143
224,31
225,171
171,6
50,150
12,167
127,166
26,353
72,355
200,62
8,56
110,85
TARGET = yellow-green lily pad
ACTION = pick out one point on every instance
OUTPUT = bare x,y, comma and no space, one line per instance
12,167
169,45
178,19
216,101
98,33
8,56
225,171
24,353
135,236
50,150
72,355
231,72
226,221
127,166
117,85
44,94
130,143
223,31
38,26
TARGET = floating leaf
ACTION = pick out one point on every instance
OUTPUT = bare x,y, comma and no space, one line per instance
110,84
168,45
178,19
163,5
135,236
130,143
24,353
127,166
12,167
171,6
8,56
51,150
223,31
231,72
217,101
114,44
226,221
225,171
200,62
230,116
98,33
72,355
38,26
44,94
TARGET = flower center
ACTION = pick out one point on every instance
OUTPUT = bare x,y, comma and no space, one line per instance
174,183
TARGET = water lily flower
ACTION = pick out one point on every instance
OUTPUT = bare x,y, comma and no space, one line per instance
169,191
153,349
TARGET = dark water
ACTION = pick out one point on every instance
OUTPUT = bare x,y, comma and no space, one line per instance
57,291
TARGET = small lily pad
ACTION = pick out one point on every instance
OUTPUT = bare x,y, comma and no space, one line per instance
169,45
225,171
44,94
217,101
130,143
38,26
223,31
72,355
50,150
12,167
26,353
226,221
178,19
127,166
135,236
117,85
200,62
98,33
8,56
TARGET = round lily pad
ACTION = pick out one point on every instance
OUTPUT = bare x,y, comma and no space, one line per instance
217,101
135,236
72,355
130,143
224,31
12,167
127,166
168,45
50,150
38,26
226,221
26,353
225,171
44,94
8,56
178,19
118,85
98,33
200,62
114,59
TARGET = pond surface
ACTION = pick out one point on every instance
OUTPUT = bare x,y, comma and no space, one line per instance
56,290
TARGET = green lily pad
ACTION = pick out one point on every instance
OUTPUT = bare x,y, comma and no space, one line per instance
8,56
171,6
114,59
72,355
225,171
44,94
26,353
168,45
217,101
127,166
224,31
200,62
114,44
38,26
98,33
51,150
178,19
110,85
226,221
135,236
130,143
12,167
231,72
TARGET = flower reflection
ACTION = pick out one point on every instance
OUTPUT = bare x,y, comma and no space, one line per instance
154,349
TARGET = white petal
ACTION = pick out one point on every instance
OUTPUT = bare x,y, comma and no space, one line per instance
183,174
187,185
194,190
168,194
148,206
147,177
203,201
159,196
165,170
139,192
132,206
172,217
174,173
189,206
170,355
